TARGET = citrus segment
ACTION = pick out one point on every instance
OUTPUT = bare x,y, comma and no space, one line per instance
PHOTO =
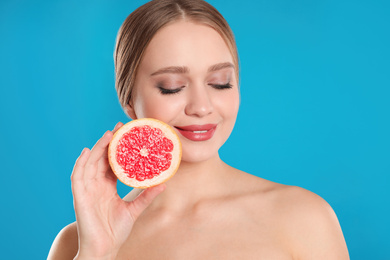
144,153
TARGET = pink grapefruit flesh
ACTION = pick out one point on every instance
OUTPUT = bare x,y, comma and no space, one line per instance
144,153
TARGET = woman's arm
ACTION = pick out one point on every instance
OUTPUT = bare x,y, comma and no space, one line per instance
65,245
103,219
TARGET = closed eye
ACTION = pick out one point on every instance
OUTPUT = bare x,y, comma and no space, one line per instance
222,86
166,91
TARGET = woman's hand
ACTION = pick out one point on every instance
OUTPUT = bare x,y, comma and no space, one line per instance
104,220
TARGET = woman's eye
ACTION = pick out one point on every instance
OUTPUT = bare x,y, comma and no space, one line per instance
166,91
222,86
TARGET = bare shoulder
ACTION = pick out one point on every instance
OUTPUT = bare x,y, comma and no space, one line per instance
303,209
295,202
300,202
65,245
314,230
307,222
301,205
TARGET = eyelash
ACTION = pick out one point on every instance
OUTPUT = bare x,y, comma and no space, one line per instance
165,91
223,86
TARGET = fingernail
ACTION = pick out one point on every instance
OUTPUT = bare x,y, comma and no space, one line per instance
117,124
106,133
83,151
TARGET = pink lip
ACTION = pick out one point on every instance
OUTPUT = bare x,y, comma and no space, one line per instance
206,134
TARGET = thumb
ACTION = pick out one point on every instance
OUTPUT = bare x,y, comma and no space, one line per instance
139,204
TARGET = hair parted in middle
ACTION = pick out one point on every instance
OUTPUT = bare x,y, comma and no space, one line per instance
141,25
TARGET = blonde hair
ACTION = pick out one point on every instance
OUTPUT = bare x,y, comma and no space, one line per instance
141,25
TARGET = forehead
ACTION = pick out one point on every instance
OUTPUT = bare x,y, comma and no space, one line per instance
185,43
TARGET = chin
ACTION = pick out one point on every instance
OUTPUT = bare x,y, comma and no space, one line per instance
198,155
197,152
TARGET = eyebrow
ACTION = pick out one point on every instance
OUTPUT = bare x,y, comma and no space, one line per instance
183,69
171,69
220,66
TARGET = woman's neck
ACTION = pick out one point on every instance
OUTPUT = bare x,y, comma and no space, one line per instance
194,182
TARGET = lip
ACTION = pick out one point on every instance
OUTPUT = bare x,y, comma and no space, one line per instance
197,132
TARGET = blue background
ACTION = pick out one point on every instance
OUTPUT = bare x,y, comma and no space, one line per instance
314,113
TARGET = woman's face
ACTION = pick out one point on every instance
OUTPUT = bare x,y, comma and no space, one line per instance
187,79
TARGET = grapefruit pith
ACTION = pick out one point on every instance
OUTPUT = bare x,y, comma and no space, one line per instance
144,153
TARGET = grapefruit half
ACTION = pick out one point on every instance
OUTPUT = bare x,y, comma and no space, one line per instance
144,153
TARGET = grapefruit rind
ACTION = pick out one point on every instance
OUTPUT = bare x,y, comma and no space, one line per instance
169,133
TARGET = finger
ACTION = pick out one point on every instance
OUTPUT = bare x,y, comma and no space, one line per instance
117,126
103,167
139,204
78,169
78,172
98,152
109,174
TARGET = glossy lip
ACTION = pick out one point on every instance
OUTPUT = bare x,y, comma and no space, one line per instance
192,133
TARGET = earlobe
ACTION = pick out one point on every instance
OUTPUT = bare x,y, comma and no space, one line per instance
129,110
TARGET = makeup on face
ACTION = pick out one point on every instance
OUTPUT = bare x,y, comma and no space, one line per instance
190,84
172,80
197,132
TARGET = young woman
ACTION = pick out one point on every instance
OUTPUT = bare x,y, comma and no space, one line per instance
176,61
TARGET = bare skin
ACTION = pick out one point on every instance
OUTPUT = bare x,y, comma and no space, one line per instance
208,210
243,217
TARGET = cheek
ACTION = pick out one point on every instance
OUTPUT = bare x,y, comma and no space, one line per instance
163,108
228,104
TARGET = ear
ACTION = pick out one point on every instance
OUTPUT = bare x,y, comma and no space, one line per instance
129,110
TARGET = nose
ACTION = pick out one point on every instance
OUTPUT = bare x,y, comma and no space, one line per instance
199,102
